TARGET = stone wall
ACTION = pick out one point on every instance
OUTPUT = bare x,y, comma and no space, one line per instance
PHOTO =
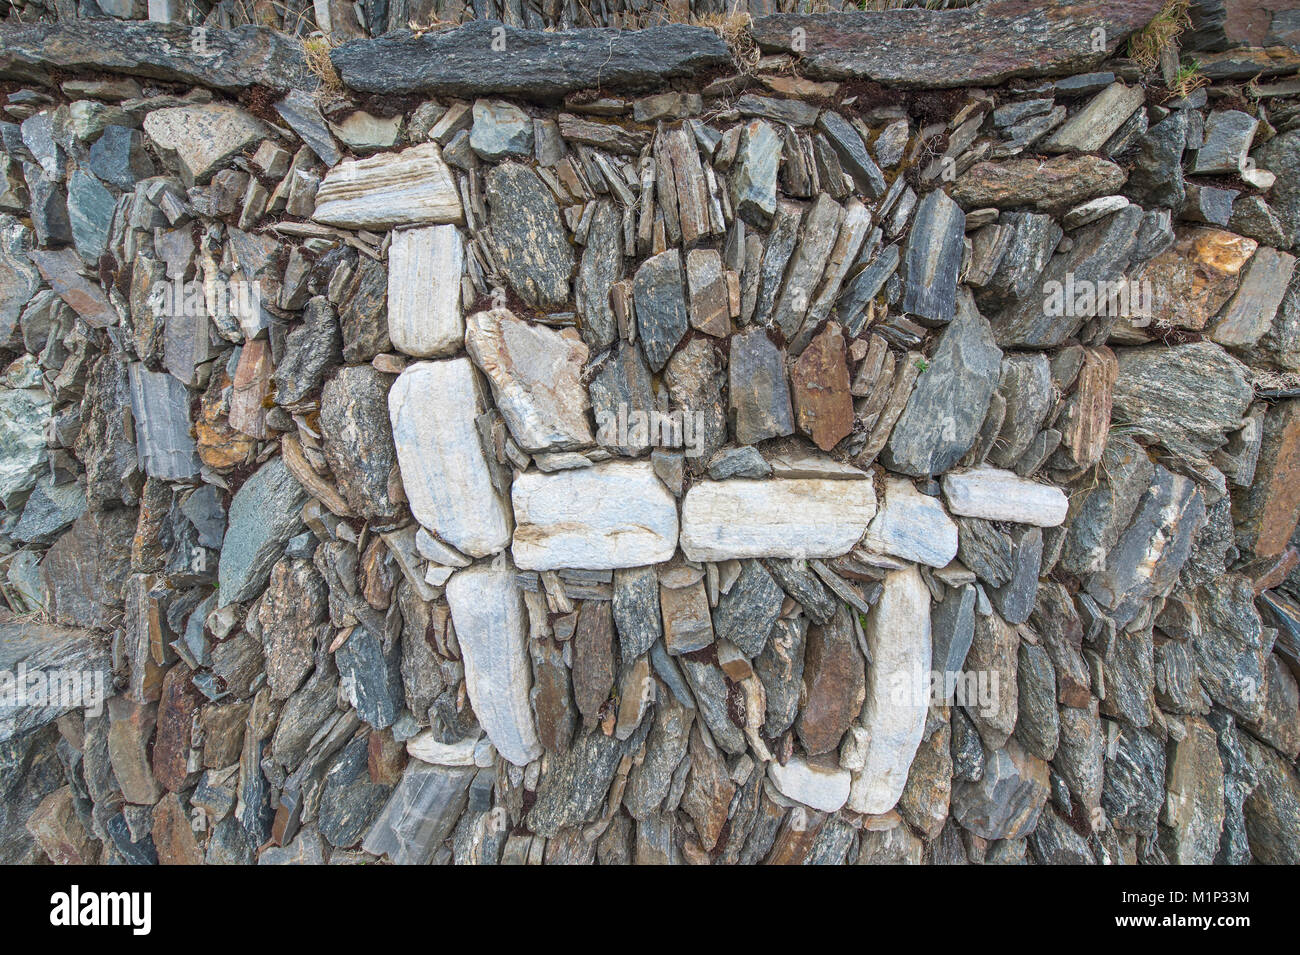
868,438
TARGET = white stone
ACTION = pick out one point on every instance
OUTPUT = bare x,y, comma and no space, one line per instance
824,788
430,548
913,526
1093,210
998,495
364,132
616,514
810,517
536,377
412,187
898,698
432,407
203,137
811,463
425,746
424,271
487,609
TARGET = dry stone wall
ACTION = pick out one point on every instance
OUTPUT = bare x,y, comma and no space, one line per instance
780,446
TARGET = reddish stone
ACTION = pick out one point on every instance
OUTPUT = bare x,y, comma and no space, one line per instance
248,396
836,682
385,758
1266,513
819,381
176,709
55,826
172,835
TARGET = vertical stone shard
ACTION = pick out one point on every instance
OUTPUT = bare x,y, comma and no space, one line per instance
897,691
487,609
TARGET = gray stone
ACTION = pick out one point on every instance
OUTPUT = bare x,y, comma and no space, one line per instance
1015,599
759,392
500,130
160,405
952,628
932,259
264,513
620,387
746,614
300,112
1038,724
661,313
742,462
1228,135
753,180
852,153
90,214
310,348
636,610
532,63
944,413
349,799
601,266
531,242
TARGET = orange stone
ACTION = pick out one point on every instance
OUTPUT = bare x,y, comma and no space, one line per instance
823,404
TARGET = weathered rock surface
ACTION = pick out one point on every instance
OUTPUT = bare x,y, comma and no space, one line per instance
616,514
412,187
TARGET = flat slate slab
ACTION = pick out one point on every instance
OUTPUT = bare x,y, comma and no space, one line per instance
987,43
484,57
234,59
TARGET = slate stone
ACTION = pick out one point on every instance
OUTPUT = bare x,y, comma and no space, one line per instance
601,266
500,130
1015,599
759,395
1228,135
695,380
573,791
119,158
944,413
1028,240
746,614
742,462
160,405
852,153
985,550
1272,810
636,610
264,514
310,348
661,313
533,63
358,440
363,315
712,692
1038,723
370,671
780,668
952,628
237,58
804,586
300,112
1281,156
620,388
90,214
753,179
948,47
528,235
932,258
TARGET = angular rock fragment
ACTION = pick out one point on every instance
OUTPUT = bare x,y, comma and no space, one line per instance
913,526
819,381
424,270
264,515
759,395
998,495
932,258
661,312
535,373
528,236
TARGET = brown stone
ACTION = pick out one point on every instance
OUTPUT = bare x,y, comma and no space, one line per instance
835,680
1085,421
1193,813
172,835
176,709
1194,277
688,625
708,791
593,658
925,798
1266,513
57,829
552,695
819,382
252,382
377,575
385,758
292,615
796,837
220,446
1051,185
130,729
710,304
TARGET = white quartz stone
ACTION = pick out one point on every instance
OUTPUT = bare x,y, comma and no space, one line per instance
536,376
424,272
424,745
616,514
810,517
824,788
411,187
893,715
432,406
913,526
487,609
998,495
